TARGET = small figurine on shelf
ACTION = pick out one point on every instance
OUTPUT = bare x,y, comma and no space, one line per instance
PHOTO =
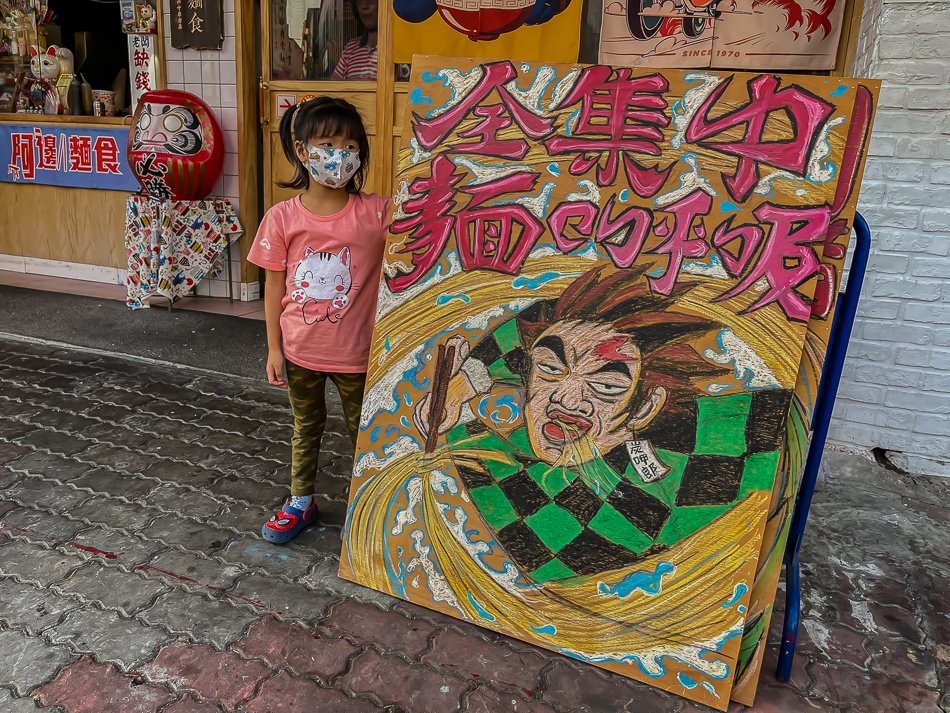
46,68
147,20
44,65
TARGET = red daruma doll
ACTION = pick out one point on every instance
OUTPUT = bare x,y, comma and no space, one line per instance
176,148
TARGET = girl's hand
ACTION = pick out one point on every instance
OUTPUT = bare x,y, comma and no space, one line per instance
275,369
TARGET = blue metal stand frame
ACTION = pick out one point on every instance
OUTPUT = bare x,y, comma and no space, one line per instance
827,390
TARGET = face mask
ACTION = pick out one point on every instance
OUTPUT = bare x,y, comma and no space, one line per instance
332,167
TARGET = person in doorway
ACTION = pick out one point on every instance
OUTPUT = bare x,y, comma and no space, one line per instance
358,59
322,252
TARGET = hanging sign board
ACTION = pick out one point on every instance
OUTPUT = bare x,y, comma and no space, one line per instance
197,24
142,65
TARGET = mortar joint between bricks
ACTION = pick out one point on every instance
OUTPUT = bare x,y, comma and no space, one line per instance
90,525
56,674
180,697
85,521
174,691
59,620
35,582
543,678
43,636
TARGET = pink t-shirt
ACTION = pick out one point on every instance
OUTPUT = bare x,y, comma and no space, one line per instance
333,266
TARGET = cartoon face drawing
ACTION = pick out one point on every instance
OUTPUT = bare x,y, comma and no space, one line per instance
173,129
578,393
323,276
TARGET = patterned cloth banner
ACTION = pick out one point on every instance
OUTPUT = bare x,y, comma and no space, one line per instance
173,245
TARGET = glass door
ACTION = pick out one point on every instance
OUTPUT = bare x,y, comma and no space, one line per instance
323,47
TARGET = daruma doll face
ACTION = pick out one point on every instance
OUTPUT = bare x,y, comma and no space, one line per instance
485,19
176,148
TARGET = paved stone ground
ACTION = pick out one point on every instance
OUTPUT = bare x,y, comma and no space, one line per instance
132,577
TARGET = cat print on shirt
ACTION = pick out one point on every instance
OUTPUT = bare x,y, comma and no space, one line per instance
323,281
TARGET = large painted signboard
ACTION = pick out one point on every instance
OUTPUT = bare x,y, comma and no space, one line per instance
595,304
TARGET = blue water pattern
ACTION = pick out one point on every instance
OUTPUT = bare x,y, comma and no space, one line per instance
482,612
740,591
417,97
496,403
650,583
838,91
685,681
444,299
554,169
549,629
533,283
728,207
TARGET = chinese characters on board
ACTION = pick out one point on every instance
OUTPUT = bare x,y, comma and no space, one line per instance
616,125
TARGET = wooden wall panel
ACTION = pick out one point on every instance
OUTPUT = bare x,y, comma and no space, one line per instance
70,224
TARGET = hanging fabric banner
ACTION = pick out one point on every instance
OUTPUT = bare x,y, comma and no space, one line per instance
728,34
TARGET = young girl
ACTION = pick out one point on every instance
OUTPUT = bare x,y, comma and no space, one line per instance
323,253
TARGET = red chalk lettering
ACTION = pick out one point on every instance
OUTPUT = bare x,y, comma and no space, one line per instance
432,131
805,112
579,216
623,236
620,117
429,224
787,260
497,237
680,245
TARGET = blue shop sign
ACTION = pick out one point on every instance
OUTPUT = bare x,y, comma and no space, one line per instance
73,156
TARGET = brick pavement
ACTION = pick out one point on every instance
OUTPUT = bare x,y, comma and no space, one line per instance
132,577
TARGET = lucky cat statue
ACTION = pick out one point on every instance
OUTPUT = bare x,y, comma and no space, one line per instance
45,65
49,65
322,277
146,17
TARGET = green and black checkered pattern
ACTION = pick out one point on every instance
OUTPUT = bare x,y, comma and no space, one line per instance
559,522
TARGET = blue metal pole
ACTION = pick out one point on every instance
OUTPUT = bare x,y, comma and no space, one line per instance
824,404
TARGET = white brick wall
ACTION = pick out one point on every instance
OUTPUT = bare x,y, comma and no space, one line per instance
895,391
211,75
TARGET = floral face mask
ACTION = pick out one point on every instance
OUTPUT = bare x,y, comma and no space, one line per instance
332,167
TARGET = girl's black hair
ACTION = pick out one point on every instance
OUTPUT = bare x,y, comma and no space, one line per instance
322,116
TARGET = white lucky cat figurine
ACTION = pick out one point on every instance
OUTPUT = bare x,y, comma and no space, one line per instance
45,65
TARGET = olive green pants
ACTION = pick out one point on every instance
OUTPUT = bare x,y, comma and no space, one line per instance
307,391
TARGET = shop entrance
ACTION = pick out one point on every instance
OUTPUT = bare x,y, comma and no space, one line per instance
334,47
